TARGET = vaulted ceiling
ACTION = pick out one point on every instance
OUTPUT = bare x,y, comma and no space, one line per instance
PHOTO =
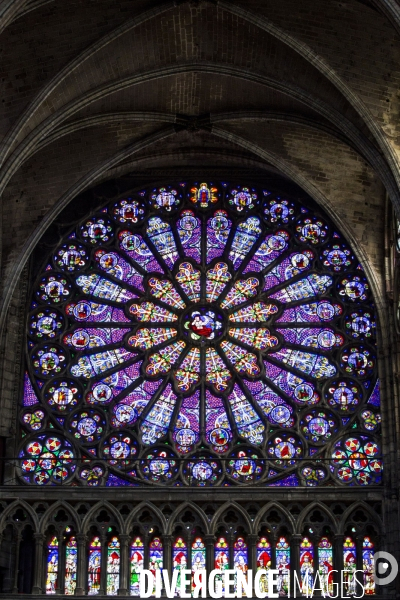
95,89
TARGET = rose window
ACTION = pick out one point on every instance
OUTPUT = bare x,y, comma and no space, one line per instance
201,334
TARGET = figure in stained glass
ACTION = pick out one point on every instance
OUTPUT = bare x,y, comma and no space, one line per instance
52,566
217,322
137,565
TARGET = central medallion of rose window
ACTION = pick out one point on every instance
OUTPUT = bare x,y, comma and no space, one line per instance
203,325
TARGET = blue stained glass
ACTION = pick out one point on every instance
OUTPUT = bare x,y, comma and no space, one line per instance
160,234
270,249
127,411
248,422
114,264
156,424
105,390
187,426
52,566
310,286
92,312
283,565
296,263
245,237
302,391
94,569
324,339
277,411
85,339
95,364
218,228
97,286
142,337
312,364
316,312
189,230
218,429
136,248
375,398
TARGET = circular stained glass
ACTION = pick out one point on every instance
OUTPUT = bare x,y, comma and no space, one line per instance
47,459
203,333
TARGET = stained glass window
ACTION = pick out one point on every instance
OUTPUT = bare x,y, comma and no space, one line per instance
52,566
156,555
94,568
264,555
71,566
113,566
198,558
240,560
306,566
179,558
325,565
201,333
137,565
350,566
283,565
368,566
221,562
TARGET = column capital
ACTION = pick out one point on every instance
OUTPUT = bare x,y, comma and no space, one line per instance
252,537
124,538
39,537
81,538
296,538
209,538
168,538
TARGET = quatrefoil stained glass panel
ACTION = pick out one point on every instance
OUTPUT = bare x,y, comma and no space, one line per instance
201,334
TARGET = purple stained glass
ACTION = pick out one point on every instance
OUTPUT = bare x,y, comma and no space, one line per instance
295,387
322,338
247,233
296,263
127,411
315,312
375,398
218,228
93,312
187,426
189,230
309,287
270,249
85,339
189,322
137,250
218,429
105,390
277,411
30,397
115,265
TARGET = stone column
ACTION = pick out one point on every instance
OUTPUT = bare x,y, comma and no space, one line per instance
81,575
338,558
252,556
146,542
103,571
231,541
61,565
17,546
38,571
272,540
294,562
167,561
209,541
124,574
